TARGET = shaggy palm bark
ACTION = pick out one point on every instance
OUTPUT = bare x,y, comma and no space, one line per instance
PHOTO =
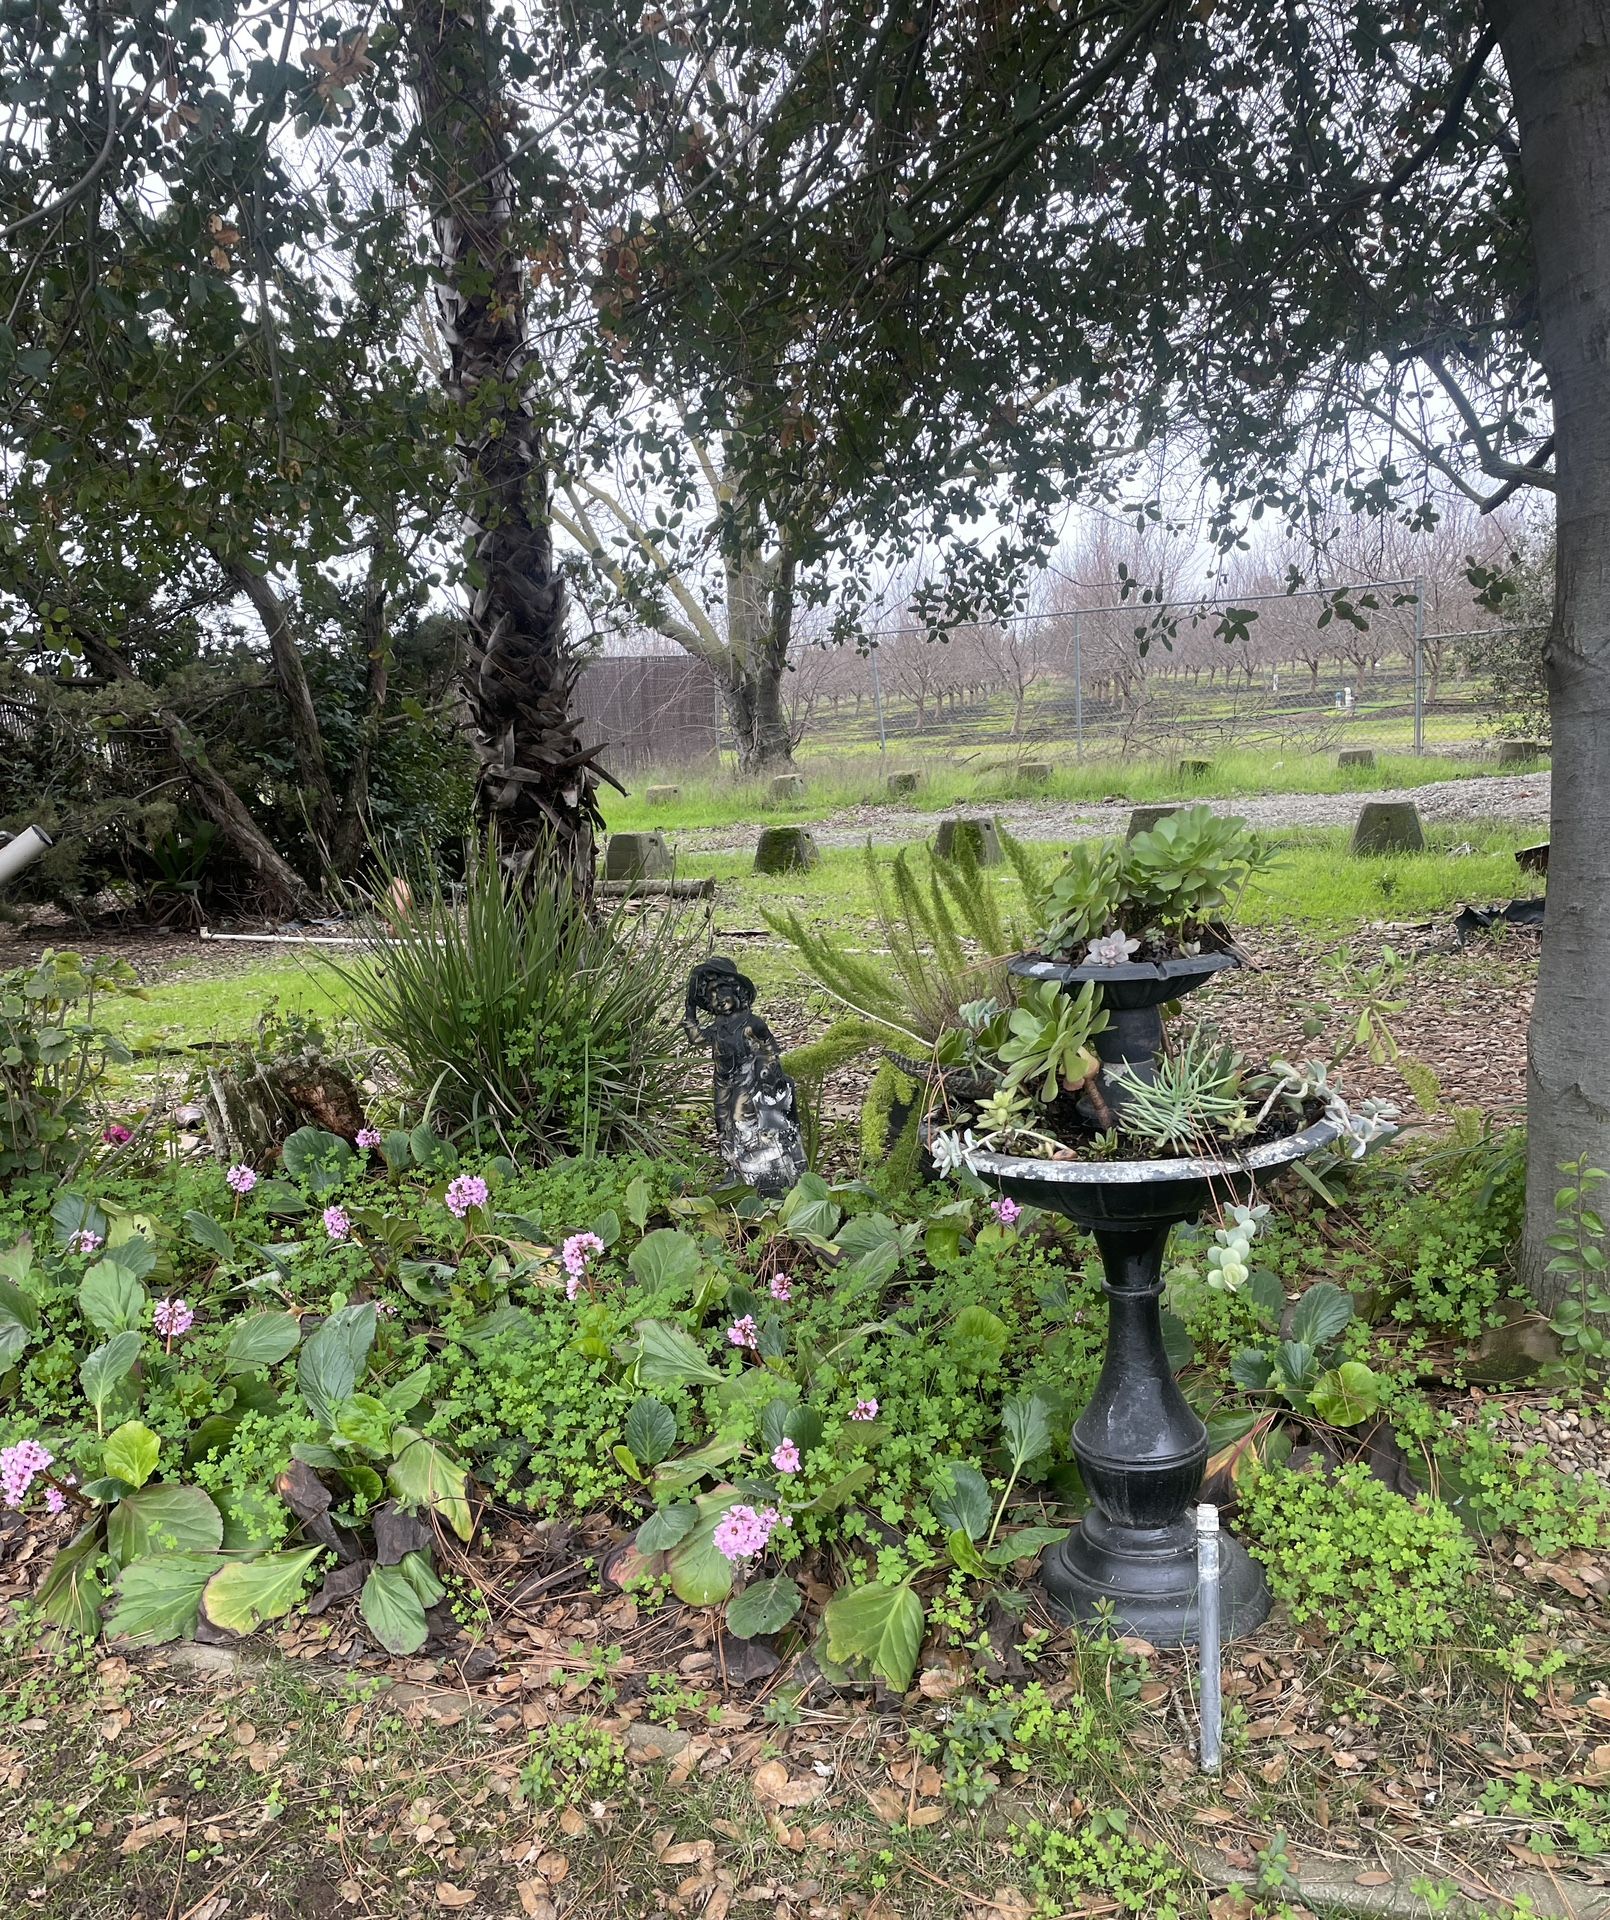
1558,57
537,788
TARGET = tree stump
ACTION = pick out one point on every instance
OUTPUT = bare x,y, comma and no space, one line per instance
660,796
1356,757
786,850
785,787
1195,769
1512,753
975,836
907,782
1388,826
637,856
1143,819
249,1113
1034,773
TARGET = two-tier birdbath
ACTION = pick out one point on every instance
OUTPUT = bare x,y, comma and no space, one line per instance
1140,1447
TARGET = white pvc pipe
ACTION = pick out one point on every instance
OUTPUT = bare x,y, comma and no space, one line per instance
20,850
1207,1606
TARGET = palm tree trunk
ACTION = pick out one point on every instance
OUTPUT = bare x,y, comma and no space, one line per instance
537,788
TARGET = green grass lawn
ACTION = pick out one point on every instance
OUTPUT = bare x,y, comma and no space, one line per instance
1318,887
842,780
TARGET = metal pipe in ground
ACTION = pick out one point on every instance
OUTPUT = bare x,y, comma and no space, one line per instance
1207,1601
21,850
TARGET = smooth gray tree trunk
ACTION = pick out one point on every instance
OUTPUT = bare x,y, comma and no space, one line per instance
1558,57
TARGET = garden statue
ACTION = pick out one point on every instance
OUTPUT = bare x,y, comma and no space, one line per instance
755,1108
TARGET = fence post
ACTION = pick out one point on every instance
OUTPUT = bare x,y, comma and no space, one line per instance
1078,693
877,698
1419,665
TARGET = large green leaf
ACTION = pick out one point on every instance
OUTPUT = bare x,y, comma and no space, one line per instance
979,1337
425,1475
163,1519
111,1299
665,1258
810,1212
261,1340
365,1423
1347,1394
209,1233
668,1357
393,1610
70,1595
880,1625
763,1607
321,1160
966,1504
1026,1423
131,1453
665,1526
241,1597
1320,1314
159,1598
131,1240
1022,1543
104,1371
700,1573
19,1317
650,1430
333,1359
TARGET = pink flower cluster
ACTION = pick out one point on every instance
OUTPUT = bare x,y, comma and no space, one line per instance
865,1410
116,1135
576,1253
744,1333
173,1317
741,1533
18,1466
1008,1212
86,1240
782,1287
368,1137
466,1190
337,1223
785,1457
241,1179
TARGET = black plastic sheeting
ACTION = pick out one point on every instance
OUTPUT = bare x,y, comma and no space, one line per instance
1470,921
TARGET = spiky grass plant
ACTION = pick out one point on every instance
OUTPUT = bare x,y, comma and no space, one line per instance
947,931
522,1014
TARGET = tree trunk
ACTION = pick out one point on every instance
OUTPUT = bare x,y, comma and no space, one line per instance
302,716
1558,57
352,827
224,807
537,787
760,622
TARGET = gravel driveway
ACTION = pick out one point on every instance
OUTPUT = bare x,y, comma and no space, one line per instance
1522,796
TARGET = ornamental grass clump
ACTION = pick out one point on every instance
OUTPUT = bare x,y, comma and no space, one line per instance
529,1016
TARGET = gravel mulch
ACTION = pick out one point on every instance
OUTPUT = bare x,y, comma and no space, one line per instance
1498,797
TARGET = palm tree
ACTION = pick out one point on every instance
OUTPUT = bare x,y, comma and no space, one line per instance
537,786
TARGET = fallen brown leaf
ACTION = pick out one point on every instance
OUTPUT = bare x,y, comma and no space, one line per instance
148,1835
447,1895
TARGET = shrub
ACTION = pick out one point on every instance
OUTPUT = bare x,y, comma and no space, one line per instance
550,1026
53,1058
1343,1550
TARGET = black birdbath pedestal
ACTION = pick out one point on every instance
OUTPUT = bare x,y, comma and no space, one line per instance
1140,1447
